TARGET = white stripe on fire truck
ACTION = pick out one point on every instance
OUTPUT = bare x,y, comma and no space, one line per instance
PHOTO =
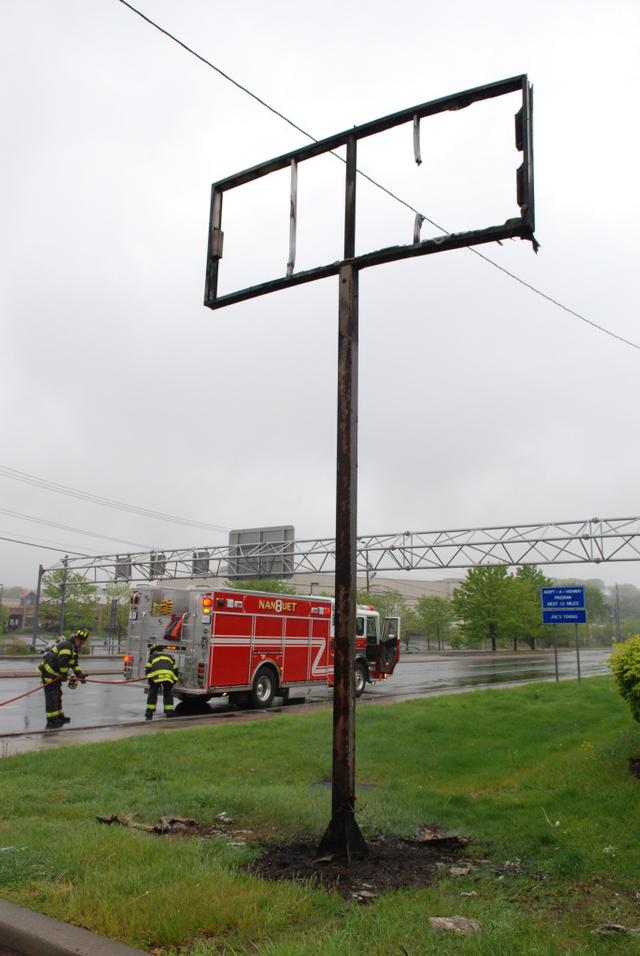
268,641
316,668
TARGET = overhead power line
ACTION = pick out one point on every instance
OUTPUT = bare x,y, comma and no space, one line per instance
47,547
24,477
374,182
224,75
64,527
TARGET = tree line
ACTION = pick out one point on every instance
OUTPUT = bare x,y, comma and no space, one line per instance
494,607
491,607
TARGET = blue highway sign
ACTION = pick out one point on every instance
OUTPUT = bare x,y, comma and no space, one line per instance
566,597
564,617
563,605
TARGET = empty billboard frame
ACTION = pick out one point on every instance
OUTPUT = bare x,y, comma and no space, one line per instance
521,227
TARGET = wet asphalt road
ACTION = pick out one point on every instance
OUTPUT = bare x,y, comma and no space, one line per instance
416,675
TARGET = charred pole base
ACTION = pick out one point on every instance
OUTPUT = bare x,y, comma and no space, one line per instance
342,838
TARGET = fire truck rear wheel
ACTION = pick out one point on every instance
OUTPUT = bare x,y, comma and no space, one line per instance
265,685
361,678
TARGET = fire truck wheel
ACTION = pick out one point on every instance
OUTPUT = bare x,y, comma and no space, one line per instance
264,688
361,678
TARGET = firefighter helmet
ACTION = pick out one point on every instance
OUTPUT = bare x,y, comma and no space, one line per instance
156,647
82,633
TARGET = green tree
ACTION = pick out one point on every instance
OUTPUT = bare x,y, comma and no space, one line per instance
119,591
435,615
386,603
527,584
596,603
410,626
486,604
79,605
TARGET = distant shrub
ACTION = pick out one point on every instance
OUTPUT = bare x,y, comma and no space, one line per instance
625,667
13,646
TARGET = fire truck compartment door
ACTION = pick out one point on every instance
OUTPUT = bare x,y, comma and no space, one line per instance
388,650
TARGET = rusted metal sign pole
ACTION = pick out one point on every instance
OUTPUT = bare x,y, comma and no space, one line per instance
343,835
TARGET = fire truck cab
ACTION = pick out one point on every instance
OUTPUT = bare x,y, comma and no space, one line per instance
252,646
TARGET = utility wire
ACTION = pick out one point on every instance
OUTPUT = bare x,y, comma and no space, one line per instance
64,527
15,475
374,182
218,70
32,544
553,301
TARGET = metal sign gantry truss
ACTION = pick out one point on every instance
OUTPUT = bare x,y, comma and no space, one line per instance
591,541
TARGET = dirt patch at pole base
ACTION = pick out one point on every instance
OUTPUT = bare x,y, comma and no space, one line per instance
634,766
391,864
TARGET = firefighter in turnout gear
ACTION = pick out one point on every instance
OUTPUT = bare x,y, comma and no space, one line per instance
59,664
161,672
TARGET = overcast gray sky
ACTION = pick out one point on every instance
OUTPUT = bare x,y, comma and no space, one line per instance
481,403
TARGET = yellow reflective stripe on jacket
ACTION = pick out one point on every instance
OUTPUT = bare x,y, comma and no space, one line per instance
160,657
70,654
161,675
161,668
158,660
49,669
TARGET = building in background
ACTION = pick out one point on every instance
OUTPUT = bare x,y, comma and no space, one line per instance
21,610
410,588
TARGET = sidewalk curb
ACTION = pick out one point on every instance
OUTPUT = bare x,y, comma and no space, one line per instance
33,934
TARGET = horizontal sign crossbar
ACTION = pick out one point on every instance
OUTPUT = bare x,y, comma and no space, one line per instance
455,101
512,229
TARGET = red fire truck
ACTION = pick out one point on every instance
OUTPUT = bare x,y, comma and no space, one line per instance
252,646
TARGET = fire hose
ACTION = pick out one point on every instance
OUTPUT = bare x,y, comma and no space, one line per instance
89,680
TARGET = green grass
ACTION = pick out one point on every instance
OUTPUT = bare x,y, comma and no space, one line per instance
537,774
